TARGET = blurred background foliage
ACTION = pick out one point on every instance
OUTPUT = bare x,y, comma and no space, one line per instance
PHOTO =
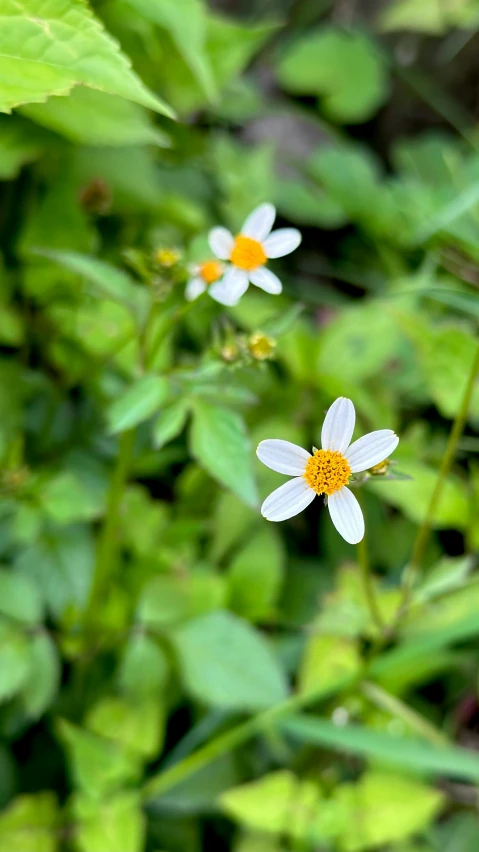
146,609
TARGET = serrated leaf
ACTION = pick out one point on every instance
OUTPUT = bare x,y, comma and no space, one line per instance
220,444
47,48
137,403
90,117
226,663
343,68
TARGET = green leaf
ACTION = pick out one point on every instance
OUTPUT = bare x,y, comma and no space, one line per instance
199,792
30,823
46,51
170,422
265,805
411,753
138,726
187,25
42,685
19,598
90,117
65,498
164,601
255,576
15,660
98,766
139,402
112,824
327,662
344,68
388,808
20,143
220,444
224,662
108,281
413,497
61,564
144,668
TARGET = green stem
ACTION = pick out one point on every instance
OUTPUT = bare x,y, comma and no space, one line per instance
235,737
385,701
422,538
107,543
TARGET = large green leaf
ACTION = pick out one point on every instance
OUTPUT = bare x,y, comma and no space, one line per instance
224,662
255,575
344,68
90,117
111,824
220,444
416,755
47,48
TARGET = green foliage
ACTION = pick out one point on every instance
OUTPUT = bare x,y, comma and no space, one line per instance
176,671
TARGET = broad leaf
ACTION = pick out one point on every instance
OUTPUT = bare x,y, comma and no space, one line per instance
19,598
44,678
138,403
220,444
110,824
46,49
224,662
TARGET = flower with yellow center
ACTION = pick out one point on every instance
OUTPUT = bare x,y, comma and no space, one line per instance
248,254
203,275
261,346
327,471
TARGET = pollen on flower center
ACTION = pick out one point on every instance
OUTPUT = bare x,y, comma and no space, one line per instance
211,271
327,471
247,253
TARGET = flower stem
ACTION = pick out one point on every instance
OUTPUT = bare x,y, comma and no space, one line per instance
107,542
413,568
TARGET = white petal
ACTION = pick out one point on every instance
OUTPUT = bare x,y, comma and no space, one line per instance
194,288
229,289
338,425
282,242
259,222
266,279
288,500
221,242
346,515
283,456
371,449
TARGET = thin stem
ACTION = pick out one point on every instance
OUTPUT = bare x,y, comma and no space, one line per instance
235,737
385,701
422,538
368,582
107,543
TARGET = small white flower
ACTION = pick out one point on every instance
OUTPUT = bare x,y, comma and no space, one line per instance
249,252
203,275
327,471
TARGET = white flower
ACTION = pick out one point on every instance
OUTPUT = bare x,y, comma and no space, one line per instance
327,471
203,275
249,252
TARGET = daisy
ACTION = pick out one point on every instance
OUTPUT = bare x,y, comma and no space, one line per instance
327,471
202,276
249,252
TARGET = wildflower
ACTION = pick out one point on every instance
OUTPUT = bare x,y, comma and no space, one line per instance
203,275
249,252
261,346
167,257
327,471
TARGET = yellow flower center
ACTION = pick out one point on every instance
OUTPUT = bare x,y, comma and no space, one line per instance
261,346
167,257
247,253
327,471
211,270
